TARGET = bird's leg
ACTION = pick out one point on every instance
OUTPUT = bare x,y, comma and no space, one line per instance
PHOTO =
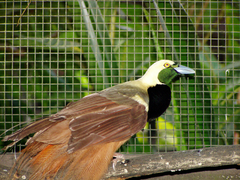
117,157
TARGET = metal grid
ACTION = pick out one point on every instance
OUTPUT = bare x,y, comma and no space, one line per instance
61,51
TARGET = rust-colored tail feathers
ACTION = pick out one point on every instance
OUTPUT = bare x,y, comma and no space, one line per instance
47,155
47,161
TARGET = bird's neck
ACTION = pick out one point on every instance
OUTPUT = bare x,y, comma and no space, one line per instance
149,79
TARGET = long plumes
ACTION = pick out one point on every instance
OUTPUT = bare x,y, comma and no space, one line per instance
48,161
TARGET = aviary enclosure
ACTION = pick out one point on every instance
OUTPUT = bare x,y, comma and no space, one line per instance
55,52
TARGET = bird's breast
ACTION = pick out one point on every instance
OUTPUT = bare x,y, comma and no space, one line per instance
159,100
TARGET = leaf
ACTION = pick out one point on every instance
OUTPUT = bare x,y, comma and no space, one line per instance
157,46
47,43
105,39
93,40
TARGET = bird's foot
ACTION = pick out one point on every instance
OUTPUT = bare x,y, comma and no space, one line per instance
117,157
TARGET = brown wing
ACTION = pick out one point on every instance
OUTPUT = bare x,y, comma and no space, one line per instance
97,118
106,122
91,120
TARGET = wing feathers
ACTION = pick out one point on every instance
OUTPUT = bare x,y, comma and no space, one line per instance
32,128
94,119
112,121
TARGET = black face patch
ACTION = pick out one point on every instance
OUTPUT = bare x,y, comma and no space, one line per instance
159,100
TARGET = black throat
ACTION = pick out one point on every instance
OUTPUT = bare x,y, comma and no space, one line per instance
159,100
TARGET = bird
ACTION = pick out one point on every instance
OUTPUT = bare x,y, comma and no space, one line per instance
79,141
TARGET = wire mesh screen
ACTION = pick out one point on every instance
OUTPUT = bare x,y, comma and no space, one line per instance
55,52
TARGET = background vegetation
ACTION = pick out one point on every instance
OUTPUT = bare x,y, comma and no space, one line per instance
64,50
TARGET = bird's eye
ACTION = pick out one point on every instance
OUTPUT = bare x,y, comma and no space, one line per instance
166,65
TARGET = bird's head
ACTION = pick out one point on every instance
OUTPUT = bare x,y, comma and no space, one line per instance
163,72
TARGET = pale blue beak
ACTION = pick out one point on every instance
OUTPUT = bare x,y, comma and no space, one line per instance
184,70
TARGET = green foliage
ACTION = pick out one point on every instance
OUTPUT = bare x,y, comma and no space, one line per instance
62,51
